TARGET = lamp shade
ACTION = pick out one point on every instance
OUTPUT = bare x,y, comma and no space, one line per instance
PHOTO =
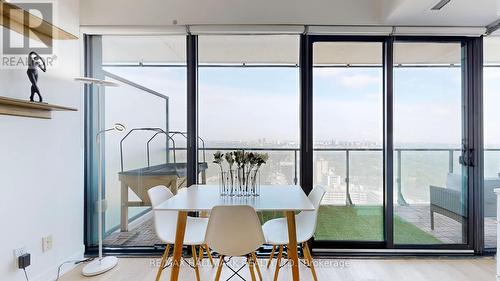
89,80
119,127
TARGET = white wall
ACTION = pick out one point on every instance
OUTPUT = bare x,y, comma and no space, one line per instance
41,164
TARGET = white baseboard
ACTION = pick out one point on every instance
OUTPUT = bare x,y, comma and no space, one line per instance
51,273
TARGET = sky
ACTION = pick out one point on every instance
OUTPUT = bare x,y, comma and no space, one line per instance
248,104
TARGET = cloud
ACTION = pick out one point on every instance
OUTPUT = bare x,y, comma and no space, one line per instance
329,72
359,80
349,78
230,113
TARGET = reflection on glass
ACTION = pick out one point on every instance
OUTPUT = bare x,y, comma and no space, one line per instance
152,102
491,139
430,197
348,127
249,100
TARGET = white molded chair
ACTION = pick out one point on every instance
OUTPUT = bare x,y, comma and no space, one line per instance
235,231
165,227
276,231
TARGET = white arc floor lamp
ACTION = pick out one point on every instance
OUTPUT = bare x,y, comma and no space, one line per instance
101,264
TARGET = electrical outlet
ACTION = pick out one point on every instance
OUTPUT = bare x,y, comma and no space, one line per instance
46,243
19,252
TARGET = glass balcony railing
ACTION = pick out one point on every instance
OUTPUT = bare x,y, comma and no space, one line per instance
415,169
352,209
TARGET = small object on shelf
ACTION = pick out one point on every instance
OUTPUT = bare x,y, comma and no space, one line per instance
35,61
23,108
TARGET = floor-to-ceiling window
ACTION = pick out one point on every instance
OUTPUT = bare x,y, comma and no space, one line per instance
430,193
150,101
348,139
249,100
491,121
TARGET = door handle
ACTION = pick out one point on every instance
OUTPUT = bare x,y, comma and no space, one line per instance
467,157
461,160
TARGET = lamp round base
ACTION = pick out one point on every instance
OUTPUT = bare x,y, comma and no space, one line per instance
99,266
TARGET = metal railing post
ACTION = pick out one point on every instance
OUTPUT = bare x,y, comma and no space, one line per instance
401,199
348,200
295,180
450,161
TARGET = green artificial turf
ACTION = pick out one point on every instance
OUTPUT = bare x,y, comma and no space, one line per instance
362,223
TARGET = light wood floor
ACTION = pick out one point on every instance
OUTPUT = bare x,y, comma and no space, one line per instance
476,269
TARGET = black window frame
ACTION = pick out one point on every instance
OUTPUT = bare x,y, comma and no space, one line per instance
473,94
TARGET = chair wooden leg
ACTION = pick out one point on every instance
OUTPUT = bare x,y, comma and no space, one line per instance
310,261
177,252
250,266
219,268
256,262
209,254
271,256
195,260
200,256
291,251
163,262
278,261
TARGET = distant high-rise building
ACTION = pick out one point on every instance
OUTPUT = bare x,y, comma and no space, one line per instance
322,171
333,179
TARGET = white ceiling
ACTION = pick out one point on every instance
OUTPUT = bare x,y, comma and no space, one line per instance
276,49
456,13
310,12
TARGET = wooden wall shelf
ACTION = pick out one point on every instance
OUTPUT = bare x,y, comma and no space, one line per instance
15,18
16,107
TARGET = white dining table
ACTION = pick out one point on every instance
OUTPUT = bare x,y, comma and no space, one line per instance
197,198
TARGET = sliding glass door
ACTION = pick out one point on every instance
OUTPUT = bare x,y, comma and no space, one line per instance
430,197
391,143
491,121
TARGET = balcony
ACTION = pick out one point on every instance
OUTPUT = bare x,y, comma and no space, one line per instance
352,209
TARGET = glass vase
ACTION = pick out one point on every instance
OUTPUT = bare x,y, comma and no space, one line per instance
223,184
247,191
239,190
231,182
254,183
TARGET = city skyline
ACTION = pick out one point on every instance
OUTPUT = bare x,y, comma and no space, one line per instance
237,103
